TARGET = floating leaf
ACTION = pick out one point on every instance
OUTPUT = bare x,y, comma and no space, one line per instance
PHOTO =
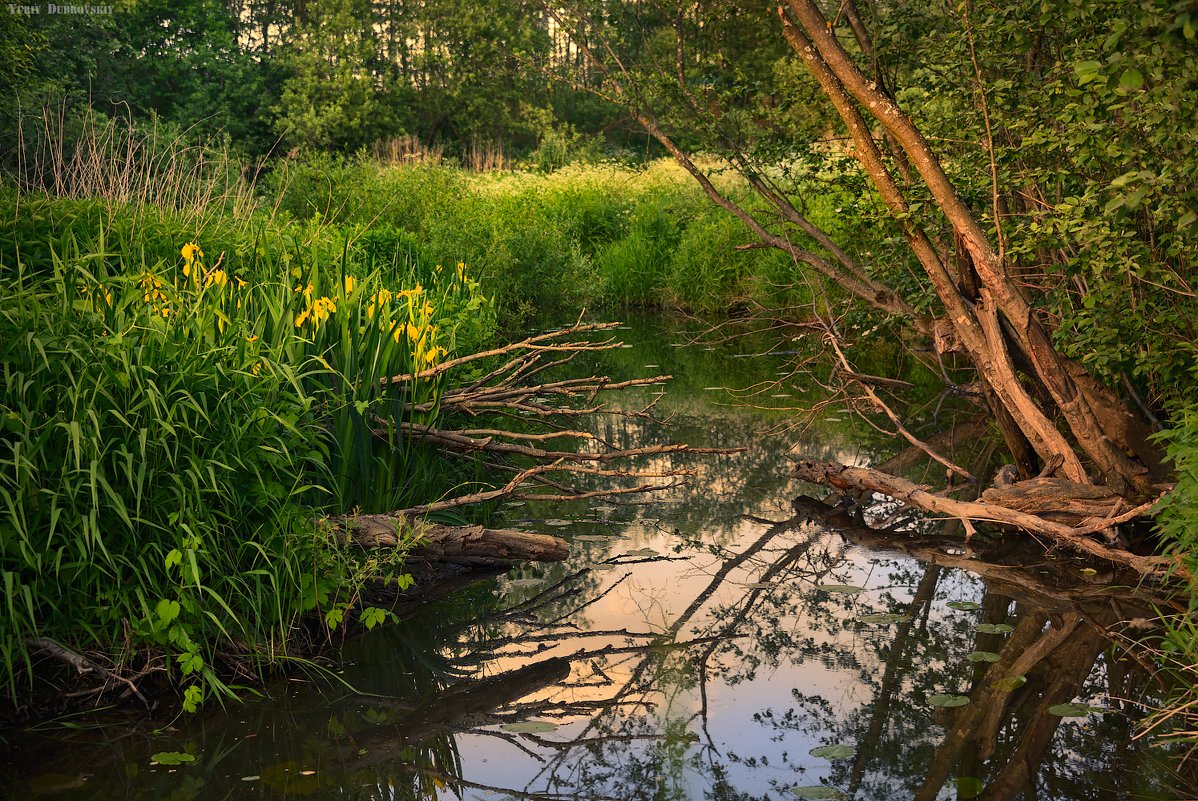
964,606
943,700
1009,683
995,628
1089,571
646,552
842,589
817,791
530,726
969,787
1074,710
559,523
886,617
172,758
982,656
840,751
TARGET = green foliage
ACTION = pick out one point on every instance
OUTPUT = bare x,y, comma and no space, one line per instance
1177,518
174,421
333,75
548,243
331,100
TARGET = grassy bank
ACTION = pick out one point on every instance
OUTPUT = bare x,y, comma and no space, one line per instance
184,398
585,235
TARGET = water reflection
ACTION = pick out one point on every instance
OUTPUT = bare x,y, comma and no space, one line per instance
723,642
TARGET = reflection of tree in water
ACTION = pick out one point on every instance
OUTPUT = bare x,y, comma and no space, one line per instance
642,730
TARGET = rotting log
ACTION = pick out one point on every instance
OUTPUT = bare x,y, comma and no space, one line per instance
1058,499
1008,569
472,546
1075,538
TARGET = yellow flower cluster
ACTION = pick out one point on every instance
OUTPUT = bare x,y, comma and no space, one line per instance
151,287
321,310
193,261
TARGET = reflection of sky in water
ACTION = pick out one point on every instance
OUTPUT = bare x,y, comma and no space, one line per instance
731,717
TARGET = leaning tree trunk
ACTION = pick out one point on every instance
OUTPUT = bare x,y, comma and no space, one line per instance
1103,445
1059,423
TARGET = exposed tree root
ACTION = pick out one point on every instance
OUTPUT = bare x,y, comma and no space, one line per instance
1075,538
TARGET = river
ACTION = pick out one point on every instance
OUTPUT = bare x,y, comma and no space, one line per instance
719,641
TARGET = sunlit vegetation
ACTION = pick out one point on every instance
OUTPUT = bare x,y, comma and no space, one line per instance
182,402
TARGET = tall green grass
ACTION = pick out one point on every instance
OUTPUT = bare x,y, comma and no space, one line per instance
182,403
550,243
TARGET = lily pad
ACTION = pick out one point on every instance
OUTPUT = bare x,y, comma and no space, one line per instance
969,786
530,726
817,791
994,628
982,656
964,606
884,617
1009,683
1074,710
840,589
948,701
840,751
173,758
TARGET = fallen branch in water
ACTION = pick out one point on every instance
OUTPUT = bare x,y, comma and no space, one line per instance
82,664
830,338
1075,538
536,343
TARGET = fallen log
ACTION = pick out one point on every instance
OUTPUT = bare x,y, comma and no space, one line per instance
1076,538
1004,569
1058,499
472,546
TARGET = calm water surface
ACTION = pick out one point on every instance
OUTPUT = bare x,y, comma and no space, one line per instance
715,642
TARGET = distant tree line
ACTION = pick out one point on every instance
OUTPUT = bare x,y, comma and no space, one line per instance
331,75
